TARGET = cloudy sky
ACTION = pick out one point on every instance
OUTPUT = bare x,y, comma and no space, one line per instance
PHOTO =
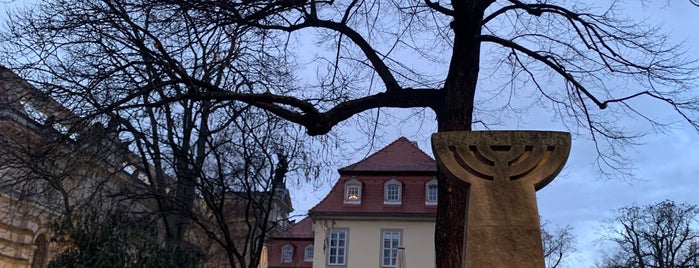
666,163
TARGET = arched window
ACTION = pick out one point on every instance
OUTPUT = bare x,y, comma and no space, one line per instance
393,192
431,191
287,253
39,258
353,191
308,253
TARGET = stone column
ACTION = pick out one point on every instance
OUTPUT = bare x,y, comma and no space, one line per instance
504,169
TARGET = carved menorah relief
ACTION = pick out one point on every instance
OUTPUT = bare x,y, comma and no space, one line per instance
503,169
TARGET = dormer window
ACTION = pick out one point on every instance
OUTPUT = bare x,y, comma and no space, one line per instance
353,191
392,192
431,191
287,253
308,253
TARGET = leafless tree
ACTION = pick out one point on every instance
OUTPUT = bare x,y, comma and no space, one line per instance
657,235
213,171
566,57
558,245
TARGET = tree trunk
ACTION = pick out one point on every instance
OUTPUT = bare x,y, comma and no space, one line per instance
456,114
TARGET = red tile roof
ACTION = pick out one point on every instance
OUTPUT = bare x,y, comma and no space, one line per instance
414,169
299,235
301,229
401,155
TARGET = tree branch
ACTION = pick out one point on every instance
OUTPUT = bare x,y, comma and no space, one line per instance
548,61
379,65
439,8
304,113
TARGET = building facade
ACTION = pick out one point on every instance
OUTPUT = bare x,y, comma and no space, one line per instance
45,172
379,205
36,160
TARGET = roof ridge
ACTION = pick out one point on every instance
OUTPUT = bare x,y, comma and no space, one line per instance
332,189
414,143
401,138
377,151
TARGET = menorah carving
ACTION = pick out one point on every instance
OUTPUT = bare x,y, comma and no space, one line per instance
504,169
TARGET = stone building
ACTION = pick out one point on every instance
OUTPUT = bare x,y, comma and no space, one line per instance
47,171
44,173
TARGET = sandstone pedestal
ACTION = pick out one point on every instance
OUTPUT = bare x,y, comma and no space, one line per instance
504,169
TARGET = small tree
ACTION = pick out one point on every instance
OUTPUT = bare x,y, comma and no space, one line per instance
657,235
558,245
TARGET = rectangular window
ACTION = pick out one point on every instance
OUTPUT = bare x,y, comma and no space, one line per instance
287,253
389,248
432,193
393,192
352,192
308,255
337,247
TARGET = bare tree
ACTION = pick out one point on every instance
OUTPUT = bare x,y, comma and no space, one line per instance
558,245
656,235
562,56
214,172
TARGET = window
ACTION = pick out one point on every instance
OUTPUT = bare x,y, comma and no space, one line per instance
353,191
389,247
287,253
308,254
337,247
392,192
39,256
431,192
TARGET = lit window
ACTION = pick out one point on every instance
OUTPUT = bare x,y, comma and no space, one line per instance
353,192
308,255
431,191
287,253
389,248
337,246
392,192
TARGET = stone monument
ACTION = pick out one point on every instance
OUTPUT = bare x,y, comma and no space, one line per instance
503,169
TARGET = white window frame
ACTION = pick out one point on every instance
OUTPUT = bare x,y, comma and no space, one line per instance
392,248
428,185
287,253
339,245
353,184
392,183
308,253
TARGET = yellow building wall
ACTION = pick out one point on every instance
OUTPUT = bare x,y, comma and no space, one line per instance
364,242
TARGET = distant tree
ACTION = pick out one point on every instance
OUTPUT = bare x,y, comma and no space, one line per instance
558,245
586,66
657,235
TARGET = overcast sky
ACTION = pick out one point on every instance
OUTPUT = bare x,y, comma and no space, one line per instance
666,164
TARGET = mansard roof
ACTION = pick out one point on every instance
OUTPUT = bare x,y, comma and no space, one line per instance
401,160
402,155
301,230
